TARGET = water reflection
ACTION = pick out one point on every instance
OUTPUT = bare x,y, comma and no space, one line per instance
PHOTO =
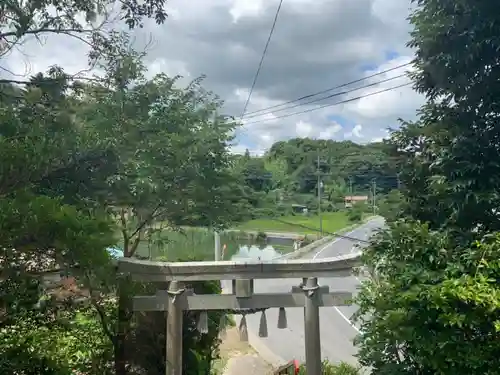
255,252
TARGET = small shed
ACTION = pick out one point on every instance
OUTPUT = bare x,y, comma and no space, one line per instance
349,200
299,208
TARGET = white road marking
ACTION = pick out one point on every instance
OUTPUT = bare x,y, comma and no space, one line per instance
334,241
348,321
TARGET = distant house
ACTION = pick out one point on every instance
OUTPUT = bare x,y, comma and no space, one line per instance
349,200
299,208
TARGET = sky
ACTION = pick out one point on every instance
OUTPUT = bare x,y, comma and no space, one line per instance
316,45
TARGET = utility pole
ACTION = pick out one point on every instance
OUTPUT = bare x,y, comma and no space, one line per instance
350,186
374,193
319,199
399,182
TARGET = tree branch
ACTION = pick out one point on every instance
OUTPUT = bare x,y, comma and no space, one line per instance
44,29
100,310
146,221
126,238
74,77
104,321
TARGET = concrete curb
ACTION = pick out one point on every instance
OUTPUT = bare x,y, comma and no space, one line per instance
262,350
306,249
312,246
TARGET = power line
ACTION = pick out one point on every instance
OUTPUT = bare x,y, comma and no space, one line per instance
330,105
262,58
324,231
313,177
327,97
330,89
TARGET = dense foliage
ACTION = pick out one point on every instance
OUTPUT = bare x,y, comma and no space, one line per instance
89,164
434,305
288,174
391,205
328,368
92,185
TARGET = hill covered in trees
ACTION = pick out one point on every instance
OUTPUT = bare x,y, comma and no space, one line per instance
288,174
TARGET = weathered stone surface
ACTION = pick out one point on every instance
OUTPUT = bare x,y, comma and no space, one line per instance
247,364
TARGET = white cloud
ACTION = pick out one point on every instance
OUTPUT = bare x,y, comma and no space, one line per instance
355,132
381,138
238,148
245,8
317,44
169,67
330,131
389,104
303,129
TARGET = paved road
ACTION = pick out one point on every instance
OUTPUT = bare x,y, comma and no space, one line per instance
337,332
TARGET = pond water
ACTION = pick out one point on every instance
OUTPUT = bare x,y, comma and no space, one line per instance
256,252
199,245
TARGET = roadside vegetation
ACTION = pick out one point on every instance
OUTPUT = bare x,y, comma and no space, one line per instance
342,368
332,222
434,302
120,160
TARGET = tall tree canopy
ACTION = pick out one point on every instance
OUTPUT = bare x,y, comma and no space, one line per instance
433,306
91,163
452,151
345,159
92,22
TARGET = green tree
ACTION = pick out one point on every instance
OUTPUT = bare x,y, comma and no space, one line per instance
65,168
391,205
88,21
278,169
173,169
336,191
338,159
73,341
41,230
328,368
357,211
434,302
255,174
432,308
49,164
281,182
451,153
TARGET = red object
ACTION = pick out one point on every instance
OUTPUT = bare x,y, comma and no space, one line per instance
288,368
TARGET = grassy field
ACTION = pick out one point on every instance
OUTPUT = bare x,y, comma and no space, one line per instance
332,222
198,244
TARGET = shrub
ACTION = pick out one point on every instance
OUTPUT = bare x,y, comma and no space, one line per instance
261,237
341,368
147,345
63,343
258,213
355,215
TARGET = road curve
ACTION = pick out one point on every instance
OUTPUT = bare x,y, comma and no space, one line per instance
337,332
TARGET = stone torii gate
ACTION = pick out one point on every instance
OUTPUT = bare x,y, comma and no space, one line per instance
308,294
